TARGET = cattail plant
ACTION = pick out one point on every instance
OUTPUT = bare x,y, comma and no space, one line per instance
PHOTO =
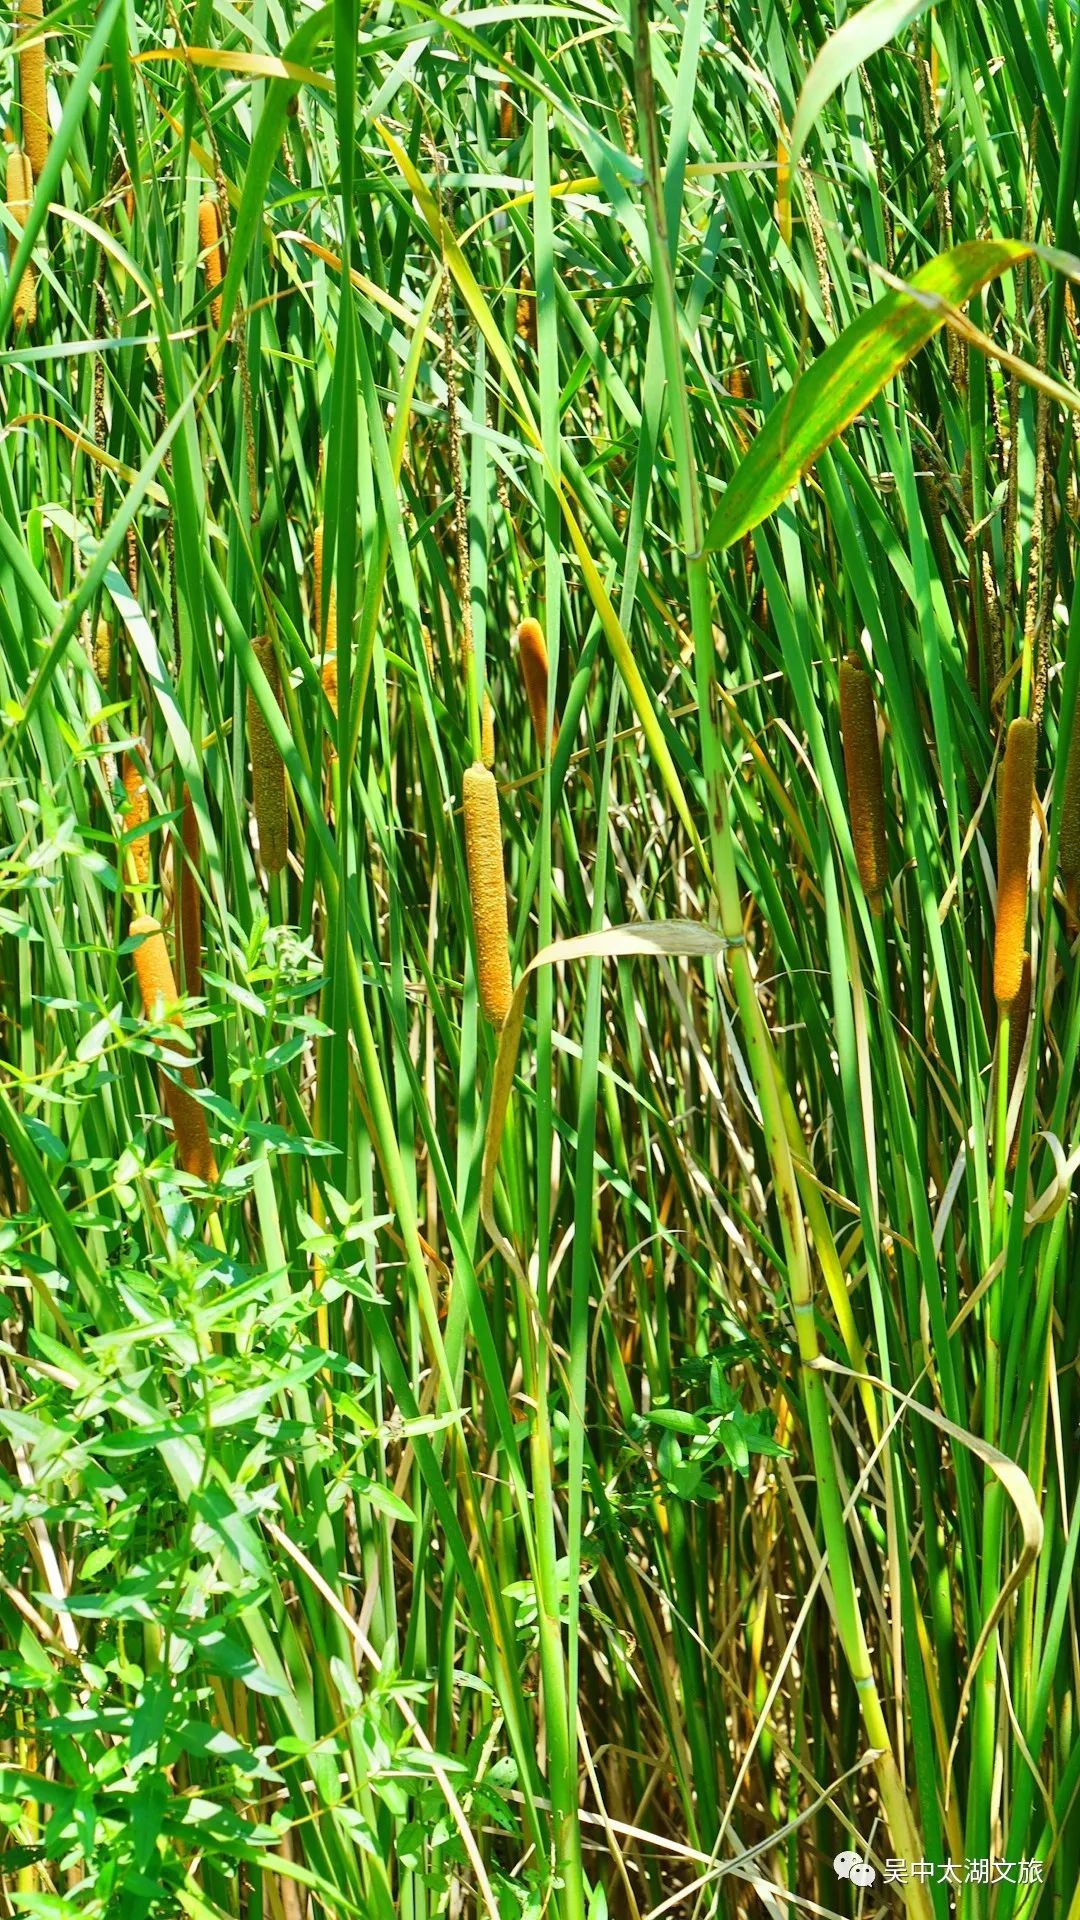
20,190
1014,843
1069,840
1019,1014
525,315
153,970
137,815
189,915
532,652
487,731
268,770
328,638
35,111
862,765
102,652
211,251
1018,1019
487,892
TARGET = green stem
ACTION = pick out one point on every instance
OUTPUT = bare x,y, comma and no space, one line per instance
760,1057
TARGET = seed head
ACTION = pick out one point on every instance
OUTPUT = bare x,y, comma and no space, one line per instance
1014,844
532,652
211,251
35,111
862,764
20,191
153,970
268,771
487,891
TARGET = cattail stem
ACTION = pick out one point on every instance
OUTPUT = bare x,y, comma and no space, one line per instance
327,637
487,891
268,770
189,921
211,251
532,652
157,985
35,111
20,192
1069,838
862,764
1014,844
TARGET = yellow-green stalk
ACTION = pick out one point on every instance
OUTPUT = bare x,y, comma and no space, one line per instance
189,917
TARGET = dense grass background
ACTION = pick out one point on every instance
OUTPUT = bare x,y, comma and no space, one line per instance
357,1561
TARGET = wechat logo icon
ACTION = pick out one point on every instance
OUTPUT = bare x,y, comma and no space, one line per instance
848,1866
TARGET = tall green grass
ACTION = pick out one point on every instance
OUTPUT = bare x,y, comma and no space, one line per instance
696,1499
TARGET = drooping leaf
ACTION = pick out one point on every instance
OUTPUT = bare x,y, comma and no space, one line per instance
848,376
864,34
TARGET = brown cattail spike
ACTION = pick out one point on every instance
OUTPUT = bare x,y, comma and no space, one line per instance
1014,845
268,771
532,652
20,191
35,111
1018,1019
328,639
487,891
189,923
138,813
153,970
862,764
210,249
525,314
1069,840
102,652
1019,1013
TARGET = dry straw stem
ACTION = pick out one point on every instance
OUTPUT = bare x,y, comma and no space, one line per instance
210,249
20,191
487,892
862,764
1014,843
35,112
532,652
153,970
189,922
138,813
268,770
327,640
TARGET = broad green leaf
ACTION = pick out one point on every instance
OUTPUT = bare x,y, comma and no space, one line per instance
848,376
